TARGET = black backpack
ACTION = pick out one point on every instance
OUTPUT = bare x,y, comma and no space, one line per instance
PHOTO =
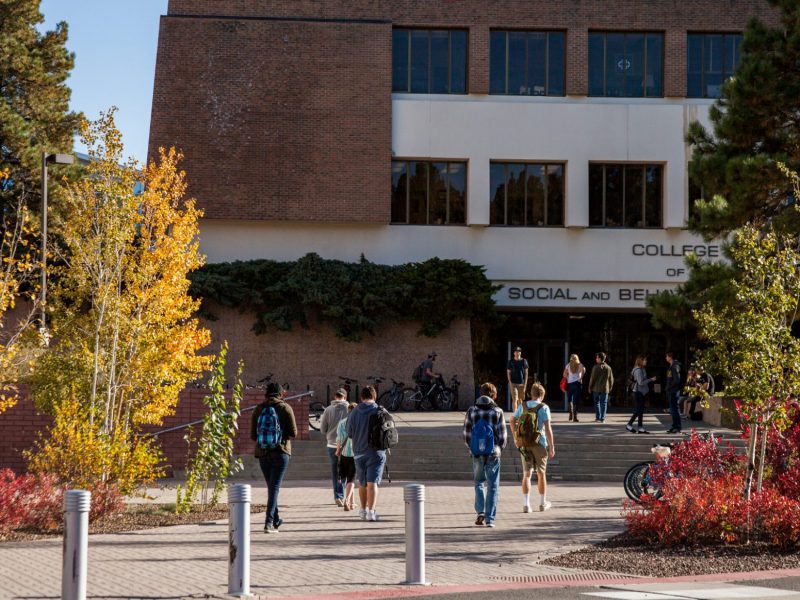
416,376
382,432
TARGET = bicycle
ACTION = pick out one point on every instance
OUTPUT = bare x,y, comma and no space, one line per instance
434,398
392,399
452,394
639,483
348,382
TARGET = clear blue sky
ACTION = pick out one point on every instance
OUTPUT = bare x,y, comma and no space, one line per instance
114,42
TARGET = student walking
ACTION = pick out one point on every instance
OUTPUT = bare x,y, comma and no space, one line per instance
573,373
641,387
369,462
272,428
485,436
600,383
347,464
327,426
517,374
533,435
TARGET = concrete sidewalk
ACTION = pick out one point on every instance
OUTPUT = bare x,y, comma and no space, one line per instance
321,549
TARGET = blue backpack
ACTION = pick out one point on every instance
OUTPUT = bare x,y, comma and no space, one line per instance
482,441
269,429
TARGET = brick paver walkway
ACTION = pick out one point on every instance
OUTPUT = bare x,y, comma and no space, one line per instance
322,549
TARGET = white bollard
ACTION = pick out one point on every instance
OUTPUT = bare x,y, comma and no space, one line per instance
239,540
414,496
76,544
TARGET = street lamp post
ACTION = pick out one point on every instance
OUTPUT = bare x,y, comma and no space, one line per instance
56,159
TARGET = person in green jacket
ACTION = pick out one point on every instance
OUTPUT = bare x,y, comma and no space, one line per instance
272,428
600,383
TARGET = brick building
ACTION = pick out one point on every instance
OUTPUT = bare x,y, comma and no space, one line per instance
542,139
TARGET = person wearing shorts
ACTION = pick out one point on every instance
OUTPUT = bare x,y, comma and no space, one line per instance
535,458
369,462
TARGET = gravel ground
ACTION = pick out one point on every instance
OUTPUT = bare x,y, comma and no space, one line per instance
134,518
623,554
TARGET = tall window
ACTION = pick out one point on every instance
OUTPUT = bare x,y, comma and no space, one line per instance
527,194
527,63
625,195
626,64
429,61
429,193
712,59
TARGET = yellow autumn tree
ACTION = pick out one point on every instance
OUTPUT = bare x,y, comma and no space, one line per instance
124,337
19,272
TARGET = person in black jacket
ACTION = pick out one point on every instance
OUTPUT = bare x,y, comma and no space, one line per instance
274,460
674,387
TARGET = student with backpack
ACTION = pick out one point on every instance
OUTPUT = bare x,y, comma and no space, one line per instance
533,436
272,428
485,436
372,431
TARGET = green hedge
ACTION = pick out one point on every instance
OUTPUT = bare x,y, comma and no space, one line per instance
353,298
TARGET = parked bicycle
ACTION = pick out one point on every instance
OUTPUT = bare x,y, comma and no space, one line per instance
392,399
347,387
639,483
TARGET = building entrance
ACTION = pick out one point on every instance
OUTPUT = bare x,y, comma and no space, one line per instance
547,339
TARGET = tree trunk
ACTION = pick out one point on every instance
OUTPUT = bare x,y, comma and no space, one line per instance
763,456
751,457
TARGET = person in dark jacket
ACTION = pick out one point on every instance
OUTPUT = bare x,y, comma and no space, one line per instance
274,461
674,387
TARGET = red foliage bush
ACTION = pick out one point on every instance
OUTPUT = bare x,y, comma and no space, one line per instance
776,518
697,457
37,501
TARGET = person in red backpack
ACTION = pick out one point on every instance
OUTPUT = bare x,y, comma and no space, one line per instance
272,428
485,436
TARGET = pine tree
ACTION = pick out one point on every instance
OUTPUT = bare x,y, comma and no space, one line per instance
34,97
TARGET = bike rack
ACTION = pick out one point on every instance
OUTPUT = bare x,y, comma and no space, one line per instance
244,410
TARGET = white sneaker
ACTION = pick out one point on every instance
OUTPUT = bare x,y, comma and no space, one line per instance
526,508
362,512
372,516
545,506
629,427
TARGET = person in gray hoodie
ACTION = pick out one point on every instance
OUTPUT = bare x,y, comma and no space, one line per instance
327,426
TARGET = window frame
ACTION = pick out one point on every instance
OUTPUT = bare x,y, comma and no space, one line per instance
539,163
704,35
429,162
430,31
528,32
626,32
644,166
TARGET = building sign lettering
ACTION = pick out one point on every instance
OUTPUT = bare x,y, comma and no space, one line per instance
672,250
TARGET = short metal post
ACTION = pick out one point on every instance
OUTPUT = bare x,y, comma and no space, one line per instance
239,540
76,544
414,496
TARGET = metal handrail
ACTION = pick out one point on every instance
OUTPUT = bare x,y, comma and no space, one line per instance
244,410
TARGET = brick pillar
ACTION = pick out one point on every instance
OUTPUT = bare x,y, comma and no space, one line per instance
577,62
478,59
675,63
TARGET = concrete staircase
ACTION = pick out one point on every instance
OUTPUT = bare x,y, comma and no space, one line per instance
431,449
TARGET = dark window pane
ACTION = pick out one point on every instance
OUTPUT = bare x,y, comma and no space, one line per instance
737,50
596,195
614,195
400,60
537,64
555,195
694,64
653,196
515,186
418,197
419,61
457,179
555,58
731,58
596,64
713,65
497,68
458,63
634,180
634,64
517,50
617,63
437,207
440,62
537,188
653,75
399,190
497,187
